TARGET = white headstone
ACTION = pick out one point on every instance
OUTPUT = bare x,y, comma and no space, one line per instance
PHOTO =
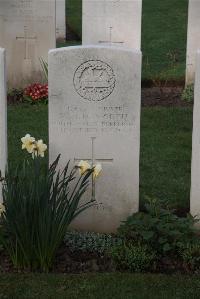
27,32
112,22
195,171
193,39
3,116
60,20
94,114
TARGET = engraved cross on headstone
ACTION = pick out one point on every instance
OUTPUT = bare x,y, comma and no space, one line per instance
110,41
93,160
26,39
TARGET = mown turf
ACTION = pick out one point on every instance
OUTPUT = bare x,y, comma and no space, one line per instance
165,148
166,155
98,286
164,34
23,119
74,15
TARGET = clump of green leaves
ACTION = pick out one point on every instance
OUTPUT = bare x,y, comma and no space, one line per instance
158,228
39,206
188,93
15,96
90,242
133,257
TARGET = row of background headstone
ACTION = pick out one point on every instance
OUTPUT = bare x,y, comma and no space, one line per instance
126,28
28,29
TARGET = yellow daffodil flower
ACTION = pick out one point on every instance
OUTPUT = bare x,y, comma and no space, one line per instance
2,209
83,166
97,170
40,148
28,143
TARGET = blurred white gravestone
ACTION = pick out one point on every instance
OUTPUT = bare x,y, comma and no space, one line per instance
195,171
112,22
27,32
94,115
3,116
193,39
60,20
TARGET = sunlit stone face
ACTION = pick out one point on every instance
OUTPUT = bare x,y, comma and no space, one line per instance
94,116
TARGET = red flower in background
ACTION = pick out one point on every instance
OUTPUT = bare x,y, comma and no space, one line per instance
36,91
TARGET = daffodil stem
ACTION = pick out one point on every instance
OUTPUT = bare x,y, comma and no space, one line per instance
93,188
93,160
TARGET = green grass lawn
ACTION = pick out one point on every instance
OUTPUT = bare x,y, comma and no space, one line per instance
164,32
98,286
165,148
74,15
166,154
23,119
164,35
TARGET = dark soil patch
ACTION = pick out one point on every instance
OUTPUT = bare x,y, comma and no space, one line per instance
77,262
163,96
15,96
87,262
67,262
71,34
5,262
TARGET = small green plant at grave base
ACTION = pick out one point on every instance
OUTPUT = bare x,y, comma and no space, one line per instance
15,96
44,66
188,93
133,257
39,204
90,242
159,228
2,210
161,79
190,254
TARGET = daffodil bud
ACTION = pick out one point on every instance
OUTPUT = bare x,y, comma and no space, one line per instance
83,166
40,148
97,170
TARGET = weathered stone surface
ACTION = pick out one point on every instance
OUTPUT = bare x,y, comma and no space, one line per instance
60,20
112,22
193,39
27,32
94,114
195,171
3,116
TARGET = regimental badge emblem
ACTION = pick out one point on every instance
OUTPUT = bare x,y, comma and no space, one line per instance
94,80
